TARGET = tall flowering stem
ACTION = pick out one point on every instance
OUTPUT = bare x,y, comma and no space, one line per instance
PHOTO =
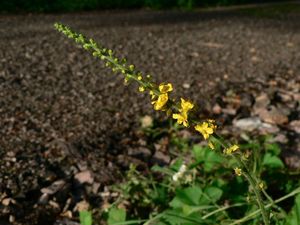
182,112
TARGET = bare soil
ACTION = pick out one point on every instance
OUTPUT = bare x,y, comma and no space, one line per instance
62,112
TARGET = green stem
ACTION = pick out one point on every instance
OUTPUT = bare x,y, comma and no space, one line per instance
129,222
221,209
255,188
251,181
258,198
296,191
154,218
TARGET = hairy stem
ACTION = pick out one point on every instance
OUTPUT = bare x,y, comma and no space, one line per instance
251,181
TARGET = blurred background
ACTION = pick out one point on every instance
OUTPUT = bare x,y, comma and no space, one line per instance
73,5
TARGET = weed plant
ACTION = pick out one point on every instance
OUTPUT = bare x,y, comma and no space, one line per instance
221,183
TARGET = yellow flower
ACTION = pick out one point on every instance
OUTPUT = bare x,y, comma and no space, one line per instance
231,149
181,119
141,89
211,145
186,105
246,155
261,185
131,67
212,123
139,77
238,171
163,97
205,129
126,80
165,88
161,101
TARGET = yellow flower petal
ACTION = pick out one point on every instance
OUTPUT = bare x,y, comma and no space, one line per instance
141,89
238,171
186,105
231,149
261,185
152,95
185,123
212,123
181,119
204,129
161,101
165,88
211,145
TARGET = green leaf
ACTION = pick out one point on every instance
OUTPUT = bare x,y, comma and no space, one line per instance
177,164
85,218
185,209
163,170
273,148
160,195
208,157
190,195
213,193
176,203
272,161
175,217
293,217
116,215
198,153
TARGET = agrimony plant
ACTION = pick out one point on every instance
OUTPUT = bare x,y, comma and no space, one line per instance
183,112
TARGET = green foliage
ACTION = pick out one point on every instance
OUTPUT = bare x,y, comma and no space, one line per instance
116,215
213,195
271,158
272,161
85,218
208,158
294,215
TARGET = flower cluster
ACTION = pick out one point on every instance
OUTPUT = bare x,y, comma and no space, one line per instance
182,117
159,94
206,128
163,96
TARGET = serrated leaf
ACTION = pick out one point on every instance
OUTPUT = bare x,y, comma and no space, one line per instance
293,217
272,161
85,218
116,215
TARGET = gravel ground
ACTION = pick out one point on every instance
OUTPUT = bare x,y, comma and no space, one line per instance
62,112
